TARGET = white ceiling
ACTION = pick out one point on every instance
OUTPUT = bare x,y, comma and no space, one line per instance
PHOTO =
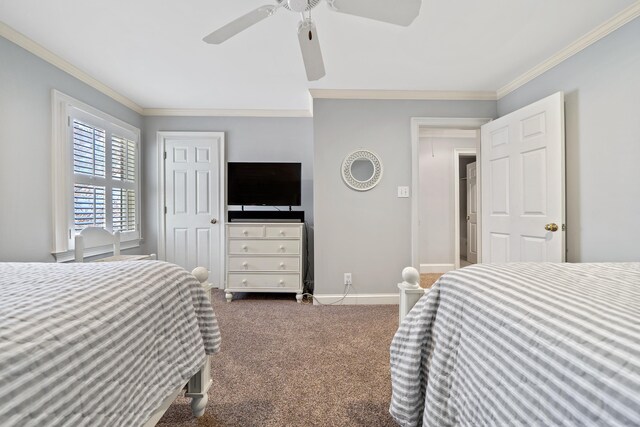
151,51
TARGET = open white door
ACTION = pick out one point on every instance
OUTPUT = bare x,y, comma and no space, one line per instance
194,189
472,213
523,184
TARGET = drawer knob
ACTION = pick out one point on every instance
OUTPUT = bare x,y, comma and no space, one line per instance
244,282
245,265
281,282
282,248
244,248
282,232
282,265
245,232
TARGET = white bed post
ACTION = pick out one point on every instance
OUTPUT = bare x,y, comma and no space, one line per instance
410,290
116,243
79,248
199,384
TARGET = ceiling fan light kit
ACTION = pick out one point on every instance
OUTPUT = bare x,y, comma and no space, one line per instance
399,12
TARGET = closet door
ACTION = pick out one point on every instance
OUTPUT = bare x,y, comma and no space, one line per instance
193,214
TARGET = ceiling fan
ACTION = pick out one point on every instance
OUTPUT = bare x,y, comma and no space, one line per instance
398,12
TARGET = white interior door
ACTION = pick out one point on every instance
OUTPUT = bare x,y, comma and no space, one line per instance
523,184
194,212
472,213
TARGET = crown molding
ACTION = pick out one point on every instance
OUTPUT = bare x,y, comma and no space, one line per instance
43,53
624,17
38,50
416,95
201,112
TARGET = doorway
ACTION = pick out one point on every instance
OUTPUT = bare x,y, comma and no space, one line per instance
466,209
443,253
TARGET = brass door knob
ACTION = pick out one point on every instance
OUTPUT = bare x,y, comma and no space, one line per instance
553,227
214,221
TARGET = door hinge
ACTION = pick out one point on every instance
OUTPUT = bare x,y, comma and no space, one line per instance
165,155
165,210
69,121
564,227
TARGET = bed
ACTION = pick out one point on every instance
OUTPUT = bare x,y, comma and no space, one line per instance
101,343
522,344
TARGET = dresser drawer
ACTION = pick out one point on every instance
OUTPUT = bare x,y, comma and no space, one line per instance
264,247
250,231
282,231
264,264
249,281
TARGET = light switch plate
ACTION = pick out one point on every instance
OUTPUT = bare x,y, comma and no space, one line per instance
403,191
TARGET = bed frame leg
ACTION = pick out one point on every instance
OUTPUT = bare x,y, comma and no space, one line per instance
199,404
199,384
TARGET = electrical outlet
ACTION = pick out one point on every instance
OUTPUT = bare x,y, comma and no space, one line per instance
347,279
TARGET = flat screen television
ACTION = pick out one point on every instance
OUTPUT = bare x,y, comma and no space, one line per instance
264,184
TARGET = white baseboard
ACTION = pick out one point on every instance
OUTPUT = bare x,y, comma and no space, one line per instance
357,299
436,268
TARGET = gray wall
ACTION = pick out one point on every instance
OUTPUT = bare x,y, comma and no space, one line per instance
25,143
437,204
368,233
248,139
602,110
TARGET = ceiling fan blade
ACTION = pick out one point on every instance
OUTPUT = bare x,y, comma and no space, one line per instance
399,12
310,47
240,24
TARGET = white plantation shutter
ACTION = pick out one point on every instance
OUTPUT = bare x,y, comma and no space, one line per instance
123,159
89,165
89,206
123,204
95,174
124,173
89,145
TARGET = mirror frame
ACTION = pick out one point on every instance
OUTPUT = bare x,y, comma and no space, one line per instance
348,177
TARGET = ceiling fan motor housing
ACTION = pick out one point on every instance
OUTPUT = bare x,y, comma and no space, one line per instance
299,5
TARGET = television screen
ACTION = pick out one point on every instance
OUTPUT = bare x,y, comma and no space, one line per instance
264,184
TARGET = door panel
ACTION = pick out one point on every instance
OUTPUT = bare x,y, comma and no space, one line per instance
499,136
180,192
534,182
533,248
523,182
203,192
178,247
499,247
473,243
500,186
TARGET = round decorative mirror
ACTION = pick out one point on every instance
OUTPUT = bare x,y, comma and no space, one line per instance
362,170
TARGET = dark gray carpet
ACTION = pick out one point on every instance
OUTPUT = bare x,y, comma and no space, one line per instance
289,364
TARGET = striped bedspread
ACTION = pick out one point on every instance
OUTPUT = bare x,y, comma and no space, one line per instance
520,345
98,344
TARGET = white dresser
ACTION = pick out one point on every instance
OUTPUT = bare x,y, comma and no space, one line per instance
265,257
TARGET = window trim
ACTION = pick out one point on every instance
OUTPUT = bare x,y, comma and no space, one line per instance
63,108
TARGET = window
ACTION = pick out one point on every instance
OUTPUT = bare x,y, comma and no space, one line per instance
96,174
